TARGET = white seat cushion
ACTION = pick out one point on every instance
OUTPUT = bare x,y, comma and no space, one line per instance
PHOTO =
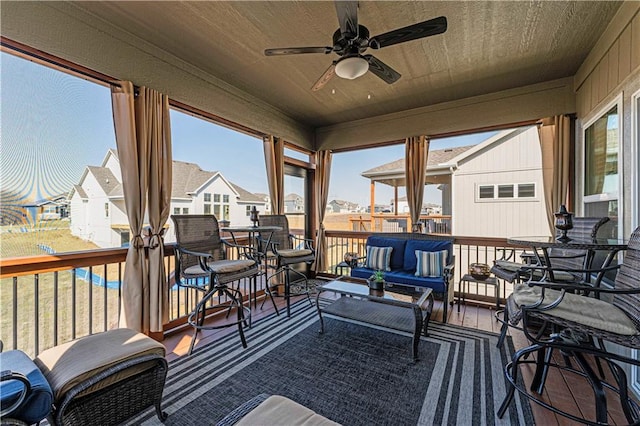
294,252
278,410
228,266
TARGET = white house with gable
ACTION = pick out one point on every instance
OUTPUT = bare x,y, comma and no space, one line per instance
98,211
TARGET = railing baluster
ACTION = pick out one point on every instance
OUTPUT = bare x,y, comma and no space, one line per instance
55,308
36,313
106,280
90,299
119,289
73,304
15,313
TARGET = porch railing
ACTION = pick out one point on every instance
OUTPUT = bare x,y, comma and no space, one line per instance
50,299
387,222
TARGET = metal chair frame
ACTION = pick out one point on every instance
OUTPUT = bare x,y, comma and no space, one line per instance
275,246
198,247
579,342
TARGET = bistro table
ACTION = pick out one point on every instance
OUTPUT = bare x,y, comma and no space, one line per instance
252,233
541,244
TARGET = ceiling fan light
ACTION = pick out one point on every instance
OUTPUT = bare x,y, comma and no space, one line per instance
352,67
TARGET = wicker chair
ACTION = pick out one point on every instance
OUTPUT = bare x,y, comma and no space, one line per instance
586,323
101,379
201,264
285,250
563,266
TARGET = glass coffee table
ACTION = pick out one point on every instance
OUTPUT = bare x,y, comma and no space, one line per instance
399,307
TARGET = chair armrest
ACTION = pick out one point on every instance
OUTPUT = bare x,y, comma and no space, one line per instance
247,251
7,375
308,243
449,270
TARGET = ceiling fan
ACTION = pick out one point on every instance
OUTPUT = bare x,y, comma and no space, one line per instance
351,40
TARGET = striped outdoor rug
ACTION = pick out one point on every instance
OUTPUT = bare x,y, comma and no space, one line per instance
352,374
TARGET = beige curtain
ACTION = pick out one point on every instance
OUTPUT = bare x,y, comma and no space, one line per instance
416,154
159,203
323,173
274,160
555,144
144,150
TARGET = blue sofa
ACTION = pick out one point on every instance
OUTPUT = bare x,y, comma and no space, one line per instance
403,262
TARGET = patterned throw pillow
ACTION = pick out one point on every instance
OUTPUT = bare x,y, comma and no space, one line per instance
431,263
378,258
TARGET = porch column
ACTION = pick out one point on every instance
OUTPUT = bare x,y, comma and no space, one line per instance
372,197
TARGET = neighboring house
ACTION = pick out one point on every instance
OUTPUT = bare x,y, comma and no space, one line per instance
493,189
293,203
403,207
50,208
267,200
98,211
341,206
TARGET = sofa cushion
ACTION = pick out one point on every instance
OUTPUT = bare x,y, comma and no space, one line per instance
430,263
410,261
398,245
379,258
37,405
403,277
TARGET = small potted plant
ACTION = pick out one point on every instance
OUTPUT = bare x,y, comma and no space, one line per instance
376,281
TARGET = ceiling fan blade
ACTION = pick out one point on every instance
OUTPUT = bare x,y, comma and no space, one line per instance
412,32
348,17
328,74
297,50
382,70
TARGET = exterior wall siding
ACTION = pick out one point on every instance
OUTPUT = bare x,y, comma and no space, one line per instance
513,161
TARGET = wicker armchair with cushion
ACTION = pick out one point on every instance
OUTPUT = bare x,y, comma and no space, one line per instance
101,379
586,323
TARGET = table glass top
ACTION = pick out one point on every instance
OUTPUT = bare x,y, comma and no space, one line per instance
397,294
249,228
591,243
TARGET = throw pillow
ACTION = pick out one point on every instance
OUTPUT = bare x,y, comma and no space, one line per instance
430,263
378,258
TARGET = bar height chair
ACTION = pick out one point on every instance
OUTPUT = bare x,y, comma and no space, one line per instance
201,264
285,249
586,323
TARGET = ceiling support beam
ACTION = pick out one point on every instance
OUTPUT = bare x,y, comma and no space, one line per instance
509,106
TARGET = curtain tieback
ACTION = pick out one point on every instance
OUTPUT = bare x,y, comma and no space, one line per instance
138,242
155,239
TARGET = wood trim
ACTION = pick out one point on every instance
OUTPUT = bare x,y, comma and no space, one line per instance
216,119
43,58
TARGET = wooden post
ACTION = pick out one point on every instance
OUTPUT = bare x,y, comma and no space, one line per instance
395,200
372,197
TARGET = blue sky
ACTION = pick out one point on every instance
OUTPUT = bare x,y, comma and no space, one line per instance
54,124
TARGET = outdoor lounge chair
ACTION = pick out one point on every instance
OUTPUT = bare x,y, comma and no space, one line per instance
585,323
201,264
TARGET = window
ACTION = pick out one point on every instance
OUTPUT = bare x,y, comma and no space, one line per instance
207,209
216,198
506,191
248,211
216,210
176,210
225,198
124,239
106,209
526,190
207,197
601,176
48,118
485,191
185,210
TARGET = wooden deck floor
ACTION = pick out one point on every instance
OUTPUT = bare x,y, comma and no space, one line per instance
562,390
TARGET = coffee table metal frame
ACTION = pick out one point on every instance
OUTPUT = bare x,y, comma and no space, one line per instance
383,308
